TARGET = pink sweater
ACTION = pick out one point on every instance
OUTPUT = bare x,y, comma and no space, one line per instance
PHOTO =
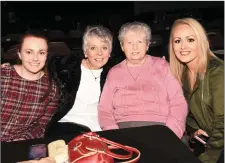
155,96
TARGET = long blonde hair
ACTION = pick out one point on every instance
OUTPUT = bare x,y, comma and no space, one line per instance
204,52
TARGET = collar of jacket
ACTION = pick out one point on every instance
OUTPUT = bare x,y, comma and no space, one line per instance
74,74
186,85
212,62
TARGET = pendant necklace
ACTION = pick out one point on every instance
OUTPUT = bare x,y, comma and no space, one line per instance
135,78
92,72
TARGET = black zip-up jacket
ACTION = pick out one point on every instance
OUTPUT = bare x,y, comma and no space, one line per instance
66,71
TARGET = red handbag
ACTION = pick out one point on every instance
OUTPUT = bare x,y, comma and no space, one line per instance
90,148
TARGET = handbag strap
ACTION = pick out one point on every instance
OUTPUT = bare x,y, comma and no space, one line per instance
114,145
136,158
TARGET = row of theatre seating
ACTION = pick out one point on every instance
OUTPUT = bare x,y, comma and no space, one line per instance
61,42
66,44
52,35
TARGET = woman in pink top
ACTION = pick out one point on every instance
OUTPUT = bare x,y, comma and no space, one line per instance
141,90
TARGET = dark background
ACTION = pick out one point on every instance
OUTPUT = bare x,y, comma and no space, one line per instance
76,15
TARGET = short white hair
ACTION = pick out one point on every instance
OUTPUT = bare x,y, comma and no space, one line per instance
97,31
135,26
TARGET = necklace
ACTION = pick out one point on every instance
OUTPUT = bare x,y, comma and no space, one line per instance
91,71
135,78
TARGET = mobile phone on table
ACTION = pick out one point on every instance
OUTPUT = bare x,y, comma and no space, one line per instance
202,139
38,151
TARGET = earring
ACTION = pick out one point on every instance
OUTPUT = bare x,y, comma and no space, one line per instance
18,53
85,55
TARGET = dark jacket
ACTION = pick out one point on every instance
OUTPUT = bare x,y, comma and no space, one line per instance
66,71
206,104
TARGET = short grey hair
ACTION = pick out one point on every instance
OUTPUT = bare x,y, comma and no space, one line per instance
97,31
135,26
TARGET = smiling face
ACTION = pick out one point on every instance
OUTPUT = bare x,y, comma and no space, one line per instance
33,54
135,47
97,52
185,44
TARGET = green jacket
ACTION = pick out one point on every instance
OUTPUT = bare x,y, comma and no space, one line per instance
206,105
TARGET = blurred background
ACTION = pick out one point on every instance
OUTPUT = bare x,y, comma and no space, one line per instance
64,22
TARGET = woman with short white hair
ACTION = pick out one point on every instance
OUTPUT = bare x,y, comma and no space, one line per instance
81,81
141,90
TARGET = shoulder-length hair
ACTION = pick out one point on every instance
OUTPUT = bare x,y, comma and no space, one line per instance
204,51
